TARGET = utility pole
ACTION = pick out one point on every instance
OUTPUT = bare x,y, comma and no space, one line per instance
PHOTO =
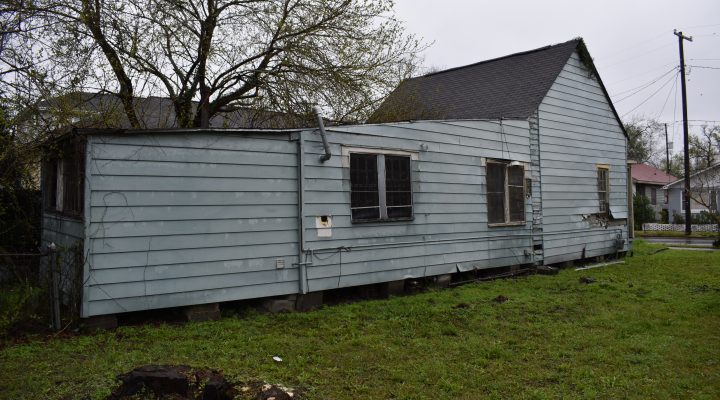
686,200
667,153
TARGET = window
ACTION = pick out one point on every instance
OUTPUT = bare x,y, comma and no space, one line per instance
505,192
380,187
653,195
63,179
682,200
603,185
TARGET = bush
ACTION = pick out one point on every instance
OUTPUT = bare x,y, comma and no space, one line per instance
643,211
18,303
678,218
664,218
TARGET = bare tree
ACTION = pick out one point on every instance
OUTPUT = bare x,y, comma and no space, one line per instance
704,148
211,56
705,191
642,134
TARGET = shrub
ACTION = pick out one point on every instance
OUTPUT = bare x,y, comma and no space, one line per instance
643,211
18,303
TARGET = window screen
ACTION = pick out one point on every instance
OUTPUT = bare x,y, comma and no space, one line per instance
516,193
381,187
398,191
603,185
496,192
364,197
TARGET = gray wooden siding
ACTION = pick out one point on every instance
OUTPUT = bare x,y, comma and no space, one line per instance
449,232
578,131
67,234
180,219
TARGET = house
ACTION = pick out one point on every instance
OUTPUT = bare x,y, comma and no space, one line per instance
649,181
705,188
518,160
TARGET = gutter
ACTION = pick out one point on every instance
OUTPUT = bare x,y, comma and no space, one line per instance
302,264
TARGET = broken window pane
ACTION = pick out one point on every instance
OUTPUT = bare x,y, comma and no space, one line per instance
364,198
496,192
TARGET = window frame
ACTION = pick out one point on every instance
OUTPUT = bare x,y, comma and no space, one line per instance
606,197
653,195
506,165
380,154
60,190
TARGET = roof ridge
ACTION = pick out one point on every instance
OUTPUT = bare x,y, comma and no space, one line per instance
576,40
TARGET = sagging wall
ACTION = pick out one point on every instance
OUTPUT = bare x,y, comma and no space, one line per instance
578,133
449,232
179,219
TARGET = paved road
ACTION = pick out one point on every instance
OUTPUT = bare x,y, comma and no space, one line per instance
675,241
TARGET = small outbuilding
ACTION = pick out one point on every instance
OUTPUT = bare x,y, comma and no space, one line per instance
518,160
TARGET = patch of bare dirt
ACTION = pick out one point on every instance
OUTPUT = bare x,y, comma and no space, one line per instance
181,382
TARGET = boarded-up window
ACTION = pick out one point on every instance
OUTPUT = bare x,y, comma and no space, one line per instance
380,186
505,192
603,185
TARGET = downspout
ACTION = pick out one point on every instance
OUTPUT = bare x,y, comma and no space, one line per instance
321,126
302,263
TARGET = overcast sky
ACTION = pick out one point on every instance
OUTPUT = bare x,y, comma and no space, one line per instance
631,42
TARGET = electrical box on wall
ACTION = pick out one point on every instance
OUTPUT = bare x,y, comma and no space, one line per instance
323,224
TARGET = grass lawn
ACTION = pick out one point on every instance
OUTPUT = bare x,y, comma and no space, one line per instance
647,329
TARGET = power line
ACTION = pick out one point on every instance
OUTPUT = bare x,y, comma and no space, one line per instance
641,87
641,74
673,88
651,96
632,47
702,66
636,56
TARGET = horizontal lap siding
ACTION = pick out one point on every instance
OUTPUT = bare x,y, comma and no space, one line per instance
181,219
449,231
578,131
67,234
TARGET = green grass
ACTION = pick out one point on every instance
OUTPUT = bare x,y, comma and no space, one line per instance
709,235
649,328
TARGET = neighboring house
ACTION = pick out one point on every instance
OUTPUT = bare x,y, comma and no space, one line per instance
520,161
705,188
648,181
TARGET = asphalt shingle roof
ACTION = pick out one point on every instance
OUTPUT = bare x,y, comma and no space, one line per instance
509,87
644,173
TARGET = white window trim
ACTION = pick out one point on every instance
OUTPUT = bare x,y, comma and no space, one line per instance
346,150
